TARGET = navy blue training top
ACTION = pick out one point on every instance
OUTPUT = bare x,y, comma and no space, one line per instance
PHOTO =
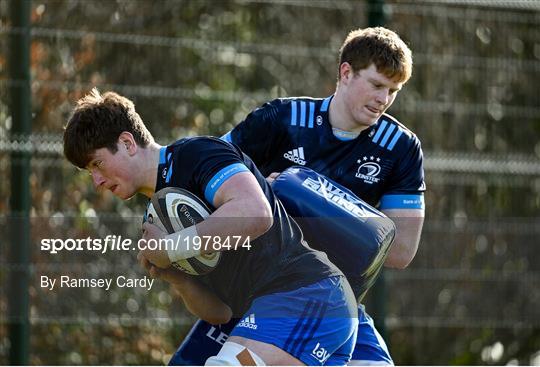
278,261
383,165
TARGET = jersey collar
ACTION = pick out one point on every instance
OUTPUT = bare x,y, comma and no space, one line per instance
162,167
337,133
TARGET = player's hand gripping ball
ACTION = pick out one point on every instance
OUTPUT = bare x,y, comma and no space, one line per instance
173,209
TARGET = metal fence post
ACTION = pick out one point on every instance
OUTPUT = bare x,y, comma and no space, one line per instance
21,114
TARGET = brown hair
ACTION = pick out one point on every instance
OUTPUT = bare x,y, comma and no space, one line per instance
381,47
97,121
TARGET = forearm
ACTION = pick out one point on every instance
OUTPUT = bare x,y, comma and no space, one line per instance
236,219
408,230
234,222
401,254
201,302
242,215
198,298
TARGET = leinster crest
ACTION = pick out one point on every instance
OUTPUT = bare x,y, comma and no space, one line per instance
369,169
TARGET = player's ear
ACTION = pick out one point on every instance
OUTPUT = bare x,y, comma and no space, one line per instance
345,72
127,142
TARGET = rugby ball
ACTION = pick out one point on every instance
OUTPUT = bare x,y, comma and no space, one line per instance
173,209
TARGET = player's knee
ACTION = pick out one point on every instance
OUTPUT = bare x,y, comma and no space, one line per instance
233,354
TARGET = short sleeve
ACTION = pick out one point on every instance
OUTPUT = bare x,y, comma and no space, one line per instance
211,163
406,188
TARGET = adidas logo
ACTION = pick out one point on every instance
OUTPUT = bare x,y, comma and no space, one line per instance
248,322
296,155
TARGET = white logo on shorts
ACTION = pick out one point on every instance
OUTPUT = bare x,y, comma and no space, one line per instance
248,322
320,353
